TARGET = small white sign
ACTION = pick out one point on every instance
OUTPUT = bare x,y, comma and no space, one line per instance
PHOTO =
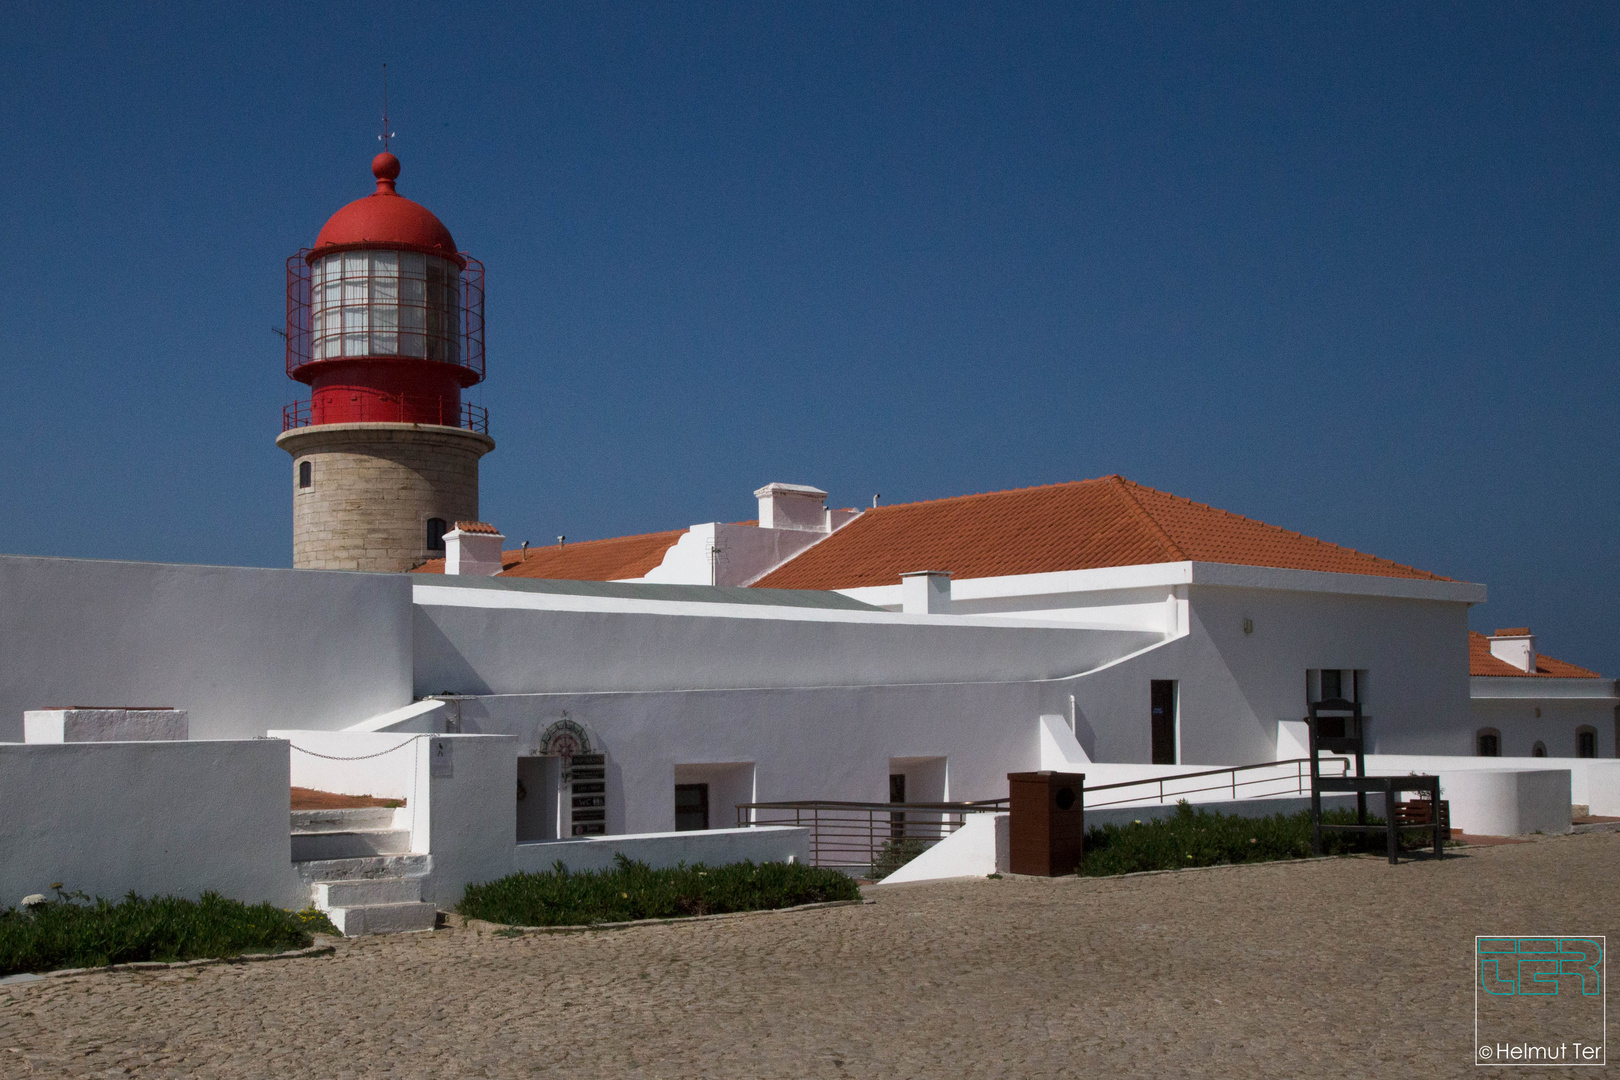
441,765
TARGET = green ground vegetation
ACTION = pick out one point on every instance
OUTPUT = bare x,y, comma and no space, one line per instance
1201,838
632,890
71,931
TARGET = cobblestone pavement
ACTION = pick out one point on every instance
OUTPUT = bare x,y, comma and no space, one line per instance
1344,967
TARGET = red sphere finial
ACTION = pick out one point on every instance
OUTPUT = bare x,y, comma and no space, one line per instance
385,167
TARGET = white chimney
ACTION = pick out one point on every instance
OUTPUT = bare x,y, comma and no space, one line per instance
926,592
792,506
473,548
1516,646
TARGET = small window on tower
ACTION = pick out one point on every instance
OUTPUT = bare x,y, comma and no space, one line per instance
306,474
435,534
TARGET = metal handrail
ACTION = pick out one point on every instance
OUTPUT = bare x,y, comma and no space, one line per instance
1301,775
852,835
981,806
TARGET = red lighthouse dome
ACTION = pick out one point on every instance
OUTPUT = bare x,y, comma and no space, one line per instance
386,217
385,318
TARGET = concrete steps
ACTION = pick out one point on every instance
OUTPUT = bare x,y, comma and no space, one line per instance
324,821
346,834
360,871
376,867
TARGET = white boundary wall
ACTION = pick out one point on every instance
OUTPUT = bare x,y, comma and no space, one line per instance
241,649
156,818
1507,802
714,847
1594,782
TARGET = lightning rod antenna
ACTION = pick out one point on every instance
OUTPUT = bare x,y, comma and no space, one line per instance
386,134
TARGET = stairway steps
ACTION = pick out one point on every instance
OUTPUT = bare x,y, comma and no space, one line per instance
370,868
346,820
396,890
383,918
353,844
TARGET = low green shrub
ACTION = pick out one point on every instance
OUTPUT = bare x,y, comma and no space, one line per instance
74,931
633,890
1201,838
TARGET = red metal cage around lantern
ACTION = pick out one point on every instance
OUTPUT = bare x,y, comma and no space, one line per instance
426,329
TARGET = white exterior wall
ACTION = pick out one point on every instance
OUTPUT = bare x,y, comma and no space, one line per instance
156,818
822,702
1234,687
484,641
807,743
1530,710
241,649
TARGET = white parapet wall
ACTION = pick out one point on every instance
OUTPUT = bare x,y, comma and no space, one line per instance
105,725
154,818
711,847
1507,802
1594,782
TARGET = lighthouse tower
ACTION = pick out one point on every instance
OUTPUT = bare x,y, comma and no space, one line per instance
385,322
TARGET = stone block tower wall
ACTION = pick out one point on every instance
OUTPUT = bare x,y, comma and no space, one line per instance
373,487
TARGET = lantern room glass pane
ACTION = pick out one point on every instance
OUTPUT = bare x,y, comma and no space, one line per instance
385,303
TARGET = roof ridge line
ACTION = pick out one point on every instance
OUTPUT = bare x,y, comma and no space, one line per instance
1137,510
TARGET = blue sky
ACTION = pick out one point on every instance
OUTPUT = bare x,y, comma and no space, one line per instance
1349,269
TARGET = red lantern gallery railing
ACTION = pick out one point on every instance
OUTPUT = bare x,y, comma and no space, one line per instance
403,409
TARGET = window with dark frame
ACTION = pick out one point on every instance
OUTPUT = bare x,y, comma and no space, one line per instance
1488,743
1332,684
691,807
1586,743
436,529
306,474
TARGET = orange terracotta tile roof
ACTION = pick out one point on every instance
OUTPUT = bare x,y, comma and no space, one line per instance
1481,662
587,560
1083,525
477,527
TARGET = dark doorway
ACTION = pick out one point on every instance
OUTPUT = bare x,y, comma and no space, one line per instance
897,794
1164,721
691,807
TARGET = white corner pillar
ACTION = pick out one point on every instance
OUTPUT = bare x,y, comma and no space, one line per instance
926,592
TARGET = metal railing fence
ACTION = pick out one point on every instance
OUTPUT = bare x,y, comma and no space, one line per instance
858,837
869,838
1281,781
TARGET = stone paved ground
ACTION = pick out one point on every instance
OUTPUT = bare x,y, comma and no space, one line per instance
1345,967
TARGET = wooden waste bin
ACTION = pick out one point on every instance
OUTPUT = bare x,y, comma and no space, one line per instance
1047,822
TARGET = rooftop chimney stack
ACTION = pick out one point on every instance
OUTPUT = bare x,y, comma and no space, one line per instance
1516,646
793,506
926,592
473,549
